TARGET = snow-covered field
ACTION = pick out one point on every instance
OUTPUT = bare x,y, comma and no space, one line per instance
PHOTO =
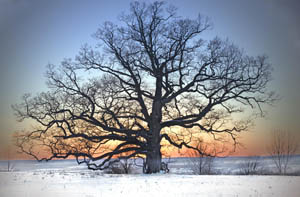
66,178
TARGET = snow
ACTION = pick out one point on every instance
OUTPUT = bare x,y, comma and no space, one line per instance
66,178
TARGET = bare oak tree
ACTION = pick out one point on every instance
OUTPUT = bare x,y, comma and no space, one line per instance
156,76
283,145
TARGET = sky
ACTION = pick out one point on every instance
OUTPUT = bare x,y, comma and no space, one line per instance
37,32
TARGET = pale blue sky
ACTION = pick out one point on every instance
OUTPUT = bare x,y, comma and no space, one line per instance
37,32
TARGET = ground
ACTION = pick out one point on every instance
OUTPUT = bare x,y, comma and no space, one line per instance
64,178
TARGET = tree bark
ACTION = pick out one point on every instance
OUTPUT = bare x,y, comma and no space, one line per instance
153,156
153,159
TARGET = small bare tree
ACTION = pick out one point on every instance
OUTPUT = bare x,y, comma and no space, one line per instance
201,161
123,165
9,167
282,147
7,153
251,166
126,165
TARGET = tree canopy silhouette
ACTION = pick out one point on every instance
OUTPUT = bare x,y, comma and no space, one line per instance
154,79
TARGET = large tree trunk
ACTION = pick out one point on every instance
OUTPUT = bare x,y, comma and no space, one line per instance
153,157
